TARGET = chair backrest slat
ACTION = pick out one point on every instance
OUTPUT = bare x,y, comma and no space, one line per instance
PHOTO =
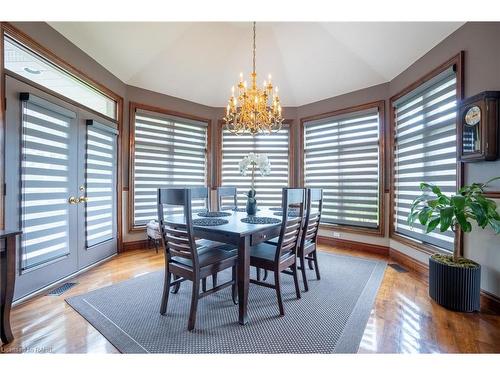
177,240
291,226
224,192
312,216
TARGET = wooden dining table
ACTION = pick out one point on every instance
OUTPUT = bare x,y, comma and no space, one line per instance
243,236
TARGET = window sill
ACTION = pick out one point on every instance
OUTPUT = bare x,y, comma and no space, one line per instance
378,232
414,244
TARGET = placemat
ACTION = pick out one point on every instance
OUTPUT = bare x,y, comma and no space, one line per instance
209,221
214,214
260,220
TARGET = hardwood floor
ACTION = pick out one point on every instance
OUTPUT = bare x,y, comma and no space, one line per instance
403,320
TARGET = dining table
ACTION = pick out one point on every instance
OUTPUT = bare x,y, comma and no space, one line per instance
243,236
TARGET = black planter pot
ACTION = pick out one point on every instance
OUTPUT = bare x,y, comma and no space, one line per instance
456,288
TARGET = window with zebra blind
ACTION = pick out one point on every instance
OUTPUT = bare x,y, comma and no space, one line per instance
168,151
424,131
269,188
343,155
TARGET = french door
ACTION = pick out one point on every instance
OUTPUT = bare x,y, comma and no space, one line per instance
60,186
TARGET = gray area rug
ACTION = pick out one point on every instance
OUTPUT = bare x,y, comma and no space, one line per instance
329,318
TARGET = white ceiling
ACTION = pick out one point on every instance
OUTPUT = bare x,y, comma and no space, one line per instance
309,61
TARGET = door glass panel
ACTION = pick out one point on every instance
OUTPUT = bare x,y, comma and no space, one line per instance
44,185
100,185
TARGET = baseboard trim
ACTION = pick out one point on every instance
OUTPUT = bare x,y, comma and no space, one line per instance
419,268
353,245
135,245
490,303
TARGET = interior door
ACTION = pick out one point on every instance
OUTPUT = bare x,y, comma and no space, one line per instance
97,189
60,186
41,163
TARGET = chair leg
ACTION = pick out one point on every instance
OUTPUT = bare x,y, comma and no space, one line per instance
204,284
303,270
176,286
277,285
257,270
166,292
156,245
316,265
265,275
214,280
296,280
234,287
194,304
310,263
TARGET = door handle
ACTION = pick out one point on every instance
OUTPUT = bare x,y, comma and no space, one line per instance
72,200
83,199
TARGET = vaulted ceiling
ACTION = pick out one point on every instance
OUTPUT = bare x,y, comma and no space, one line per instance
309,61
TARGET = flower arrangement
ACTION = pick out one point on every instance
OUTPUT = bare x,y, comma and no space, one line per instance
254,161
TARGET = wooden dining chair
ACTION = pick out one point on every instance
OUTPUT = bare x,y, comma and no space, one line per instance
184,257
225,192
282,258
308,248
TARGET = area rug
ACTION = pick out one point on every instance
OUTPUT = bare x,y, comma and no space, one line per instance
329,318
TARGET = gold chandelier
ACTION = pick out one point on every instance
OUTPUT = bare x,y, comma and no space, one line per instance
252,110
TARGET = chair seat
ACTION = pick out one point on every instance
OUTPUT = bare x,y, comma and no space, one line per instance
207,243
266,252
273,241
210,255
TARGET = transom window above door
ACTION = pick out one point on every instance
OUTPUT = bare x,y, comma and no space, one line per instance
24,62
167,150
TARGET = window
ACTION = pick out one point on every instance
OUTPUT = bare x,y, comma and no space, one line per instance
424,131
342,155
26,63
168,150
268,188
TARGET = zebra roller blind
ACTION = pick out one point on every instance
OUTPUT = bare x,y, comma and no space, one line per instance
341,155
425,151
268,188
100,173
45,181
168,151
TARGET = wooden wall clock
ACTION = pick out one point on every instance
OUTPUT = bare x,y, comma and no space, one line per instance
478,127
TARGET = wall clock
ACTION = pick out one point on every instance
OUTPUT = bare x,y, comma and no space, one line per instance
478,124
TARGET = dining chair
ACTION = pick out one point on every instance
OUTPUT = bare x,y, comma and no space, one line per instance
282,258
308,248
225,192
187,259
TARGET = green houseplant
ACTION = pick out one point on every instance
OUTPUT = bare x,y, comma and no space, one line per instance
454,281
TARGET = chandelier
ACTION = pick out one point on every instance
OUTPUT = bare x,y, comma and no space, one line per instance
253,110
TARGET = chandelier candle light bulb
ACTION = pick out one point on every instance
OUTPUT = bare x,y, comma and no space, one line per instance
256,113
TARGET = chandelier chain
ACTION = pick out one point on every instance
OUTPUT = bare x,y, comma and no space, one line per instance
254,47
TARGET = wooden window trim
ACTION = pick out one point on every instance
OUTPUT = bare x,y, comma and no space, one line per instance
133,106
380,105
291,153
458,62
6,27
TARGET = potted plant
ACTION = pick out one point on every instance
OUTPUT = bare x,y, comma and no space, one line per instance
254,161
454,281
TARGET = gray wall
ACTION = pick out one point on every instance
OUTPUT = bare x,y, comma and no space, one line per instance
480,41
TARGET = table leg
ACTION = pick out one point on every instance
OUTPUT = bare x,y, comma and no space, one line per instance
7,288
243,278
